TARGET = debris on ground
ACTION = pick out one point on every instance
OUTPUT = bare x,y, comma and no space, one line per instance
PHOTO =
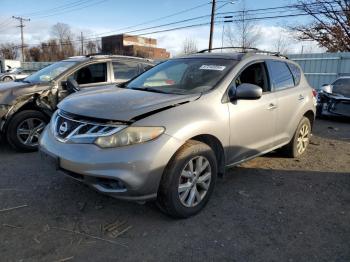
12,226
65,259
243,193
12,208
333,128
88,235
116,228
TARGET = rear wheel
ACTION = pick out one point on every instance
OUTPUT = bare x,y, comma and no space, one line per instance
300,141
24,130
188,180
7,79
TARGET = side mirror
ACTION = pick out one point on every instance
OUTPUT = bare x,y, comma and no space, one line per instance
70,85
326,88
245,91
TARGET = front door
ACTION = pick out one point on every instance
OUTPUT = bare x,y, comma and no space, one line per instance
252,122
89,76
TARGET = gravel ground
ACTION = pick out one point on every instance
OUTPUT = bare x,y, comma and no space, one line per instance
268,209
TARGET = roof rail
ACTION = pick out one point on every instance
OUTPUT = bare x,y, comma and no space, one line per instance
108,55
246,50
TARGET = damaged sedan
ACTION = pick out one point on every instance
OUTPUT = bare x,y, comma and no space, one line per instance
334,99
26,105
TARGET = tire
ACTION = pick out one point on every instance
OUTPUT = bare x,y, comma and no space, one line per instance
20,127
293,149
7,79
168,199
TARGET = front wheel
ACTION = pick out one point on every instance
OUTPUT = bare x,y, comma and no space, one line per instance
300,141
25,128
188,181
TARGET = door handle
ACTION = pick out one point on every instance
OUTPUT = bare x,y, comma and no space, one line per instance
301,97
272,106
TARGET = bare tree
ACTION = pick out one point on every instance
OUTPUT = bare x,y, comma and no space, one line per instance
64,35
91,47
282,43
8,51
330,27
243,32
189,46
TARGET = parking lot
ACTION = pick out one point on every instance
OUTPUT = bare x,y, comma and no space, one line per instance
268,209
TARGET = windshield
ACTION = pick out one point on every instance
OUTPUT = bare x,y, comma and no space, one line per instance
50,72
341,87
183,76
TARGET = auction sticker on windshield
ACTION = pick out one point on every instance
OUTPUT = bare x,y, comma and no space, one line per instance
212,67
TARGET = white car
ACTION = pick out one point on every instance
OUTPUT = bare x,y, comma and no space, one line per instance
15,73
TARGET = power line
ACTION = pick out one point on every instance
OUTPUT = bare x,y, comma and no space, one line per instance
156,19
202,24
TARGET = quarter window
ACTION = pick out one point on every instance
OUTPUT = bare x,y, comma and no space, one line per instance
124,71
281,76
296,73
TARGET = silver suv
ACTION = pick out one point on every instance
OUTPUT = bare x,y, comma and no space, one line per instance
169,133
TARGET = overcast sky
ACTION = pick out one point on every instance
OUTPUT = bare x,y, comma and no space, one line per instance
101,17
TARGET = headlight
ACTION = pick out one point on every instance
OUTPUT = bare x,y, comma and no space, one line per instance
130,136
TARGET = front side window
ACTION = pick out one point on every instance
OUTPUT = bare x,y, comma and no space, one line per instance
183,76
124,71
50,72
95,73
281,76
254,74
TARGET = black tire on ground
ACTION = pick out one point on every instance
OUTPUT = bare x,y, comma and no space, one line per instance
291,150
17,119
7,78
168,198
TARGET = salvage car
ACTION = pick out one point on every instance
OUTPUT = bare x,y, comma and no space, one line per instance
26,105
15,74
334,99
167,134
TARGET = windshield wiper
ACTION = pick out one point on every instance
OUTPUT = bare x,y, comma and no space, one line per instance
25,81
150,89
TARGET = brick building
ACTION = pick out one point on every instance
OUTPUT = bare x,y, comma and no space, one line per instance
133,46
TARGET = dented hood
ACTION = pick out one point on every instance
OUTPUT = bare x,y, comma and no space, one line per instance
120,104
10,91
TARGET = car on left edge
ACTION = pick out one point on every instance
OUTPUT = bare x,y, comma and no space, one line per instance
26,105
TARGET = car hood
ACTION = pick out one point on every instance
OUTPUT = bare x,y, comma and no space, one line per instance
120,104
12,90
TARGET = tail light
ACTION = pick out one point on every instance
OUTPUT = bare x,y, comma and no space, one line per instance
314,92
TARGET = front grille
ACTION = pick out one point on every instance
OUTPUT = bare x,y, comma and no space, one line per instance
66,128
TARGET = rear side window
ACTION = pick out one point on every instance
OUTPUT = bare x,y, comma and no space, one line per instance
281,76
296,73
124,71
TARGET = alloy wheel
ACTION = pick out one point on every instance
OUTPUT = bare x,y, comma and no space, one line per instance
303,138
194,181
29,130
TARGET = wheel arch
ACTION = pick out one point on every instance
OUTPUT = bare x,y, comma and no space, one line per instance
215,144
311,116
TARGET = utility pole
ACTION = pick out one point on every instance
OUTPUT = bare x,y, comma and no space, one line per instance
82,43
21,25
212,25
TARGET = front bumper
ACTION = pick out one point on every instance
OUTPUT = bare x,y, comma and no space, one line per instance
130,172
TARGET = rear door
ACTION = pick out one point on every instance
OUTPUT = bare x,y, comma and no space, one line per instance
290,97
252,122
